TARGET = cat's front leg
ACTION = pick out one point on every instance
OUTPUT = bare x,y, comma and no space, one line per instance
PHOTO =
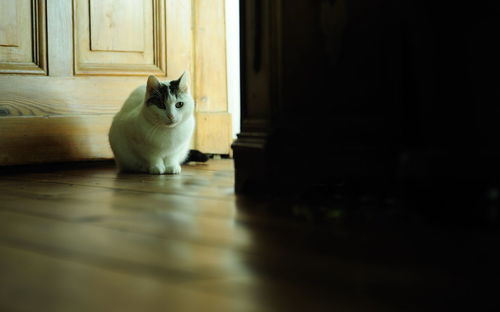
172,166
157,167
173,169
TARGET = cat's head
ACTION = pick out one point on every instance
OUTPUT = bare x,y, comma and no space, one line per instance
168,103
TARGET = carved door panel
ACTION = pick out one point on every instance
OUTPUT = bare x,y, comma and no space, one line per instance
22,43
66,66
119,37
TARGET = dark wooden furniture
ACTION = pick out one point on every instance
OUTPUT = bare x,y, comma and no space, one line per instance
395,95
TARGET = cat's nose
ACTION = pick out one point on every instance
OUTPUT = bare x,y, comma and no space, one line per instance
170,116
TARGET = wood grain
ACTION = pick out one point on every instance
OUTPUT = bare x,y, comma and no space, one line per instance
60,41
64,96
103,45
213,132
76,286
210,56
179,30
53,139
8,24
187,243
117,25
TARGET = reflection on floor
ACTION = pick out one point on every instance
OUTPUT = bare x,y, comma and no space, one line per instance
84,238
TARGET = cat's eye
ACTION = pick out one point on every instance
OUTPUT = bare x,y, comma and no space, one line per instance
179,104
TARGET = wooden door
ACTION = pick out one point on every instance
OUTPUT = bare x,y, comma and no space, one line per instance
66,66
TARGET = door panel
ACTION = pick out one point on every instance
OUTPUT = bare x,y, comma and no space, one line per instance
22,37
121,37
119,25
9,23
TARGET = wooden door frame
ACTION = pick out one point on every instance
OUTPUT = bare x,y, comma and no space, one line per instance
210,77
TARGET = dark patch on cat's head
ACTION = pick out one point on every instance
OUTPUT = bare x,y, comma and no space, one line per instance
180,85
158,93
158,96
174,87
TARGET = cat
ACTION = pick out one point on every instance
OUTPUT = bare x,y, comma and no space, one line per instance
152,131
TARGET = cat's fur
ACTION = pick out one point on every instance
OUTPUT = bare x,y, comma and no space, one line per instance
151,133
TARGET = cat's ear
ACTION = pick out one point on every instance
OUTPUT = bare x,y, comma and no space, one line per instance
153,84
184,82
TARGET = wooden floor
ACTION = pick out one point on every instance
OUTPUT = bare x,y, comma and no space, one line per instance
86,238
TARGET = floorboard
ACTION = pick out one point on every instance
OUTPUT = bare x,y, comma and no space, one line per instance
86,238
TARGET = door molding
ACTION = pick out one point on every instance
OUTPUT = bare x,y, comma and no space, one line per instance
35,50
91,59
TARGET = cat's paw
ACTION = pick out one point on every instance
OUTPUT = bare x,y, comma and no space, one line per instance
157,169
175,169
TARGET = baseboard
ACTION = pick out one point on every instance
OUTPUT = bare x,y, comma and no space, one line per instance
250,162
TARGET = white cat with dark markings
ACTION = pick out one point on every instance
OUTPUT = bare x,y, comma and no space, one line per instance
152,132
